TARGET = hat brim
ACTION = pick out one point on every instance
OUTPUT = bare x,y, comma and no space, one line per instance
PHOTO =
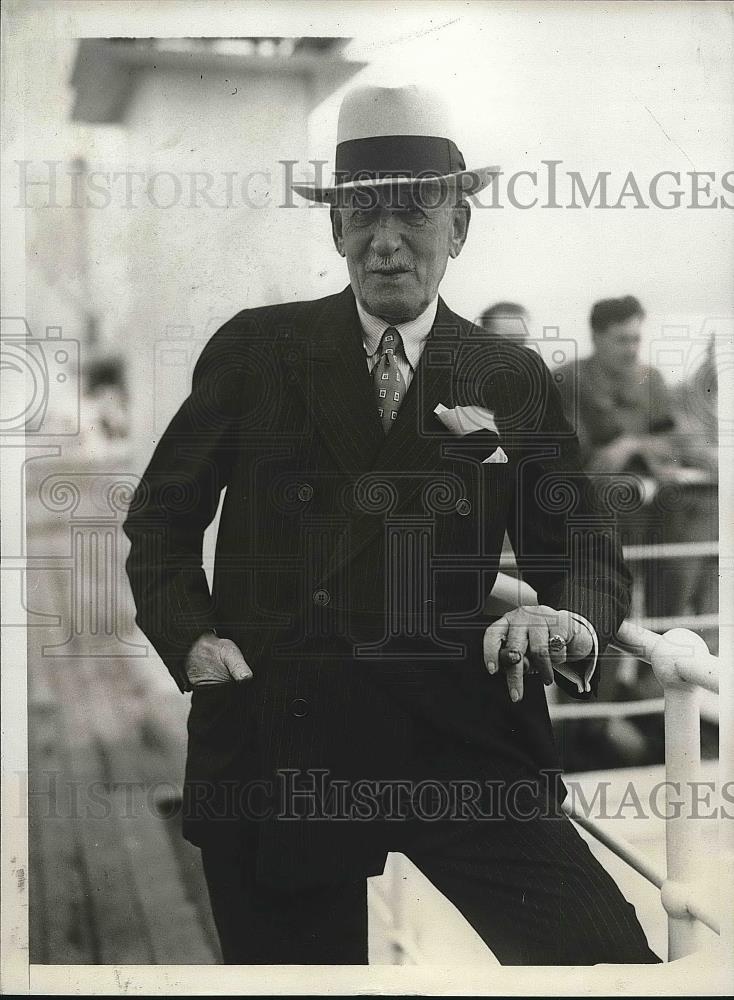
468,181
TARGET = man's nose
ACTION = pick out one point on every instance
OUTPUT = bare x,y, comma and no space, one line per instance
387,237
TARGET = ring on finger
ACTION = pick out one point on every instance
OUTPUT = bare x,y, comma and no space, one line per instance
557,644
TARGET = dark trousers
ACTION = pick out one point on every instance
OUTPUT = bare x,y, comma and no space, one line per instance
532,890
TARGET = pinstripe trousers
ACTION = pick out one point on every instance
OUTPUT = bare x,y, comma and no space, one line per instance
532,890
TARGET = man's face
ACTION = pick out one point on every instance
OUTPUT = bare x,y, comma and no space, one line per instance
511,327
397,250
618,347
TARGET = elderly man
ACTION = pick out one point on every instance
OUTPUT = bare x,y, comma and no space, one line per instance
350,694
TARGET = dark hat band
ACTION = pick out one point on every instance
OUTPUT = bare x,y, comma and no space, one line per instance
396,155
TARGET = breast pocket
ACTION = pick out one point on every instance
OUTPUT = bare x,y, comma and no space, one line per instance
483,459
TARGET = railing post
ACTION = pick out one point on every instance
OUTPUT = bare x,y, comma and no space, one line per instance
683,844
683,665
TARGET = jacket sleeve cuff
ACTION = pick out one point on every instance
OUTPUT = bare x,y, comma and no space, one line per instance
580,672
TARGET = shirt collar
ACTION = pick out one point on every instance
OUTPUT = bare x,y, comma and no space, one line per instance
414,332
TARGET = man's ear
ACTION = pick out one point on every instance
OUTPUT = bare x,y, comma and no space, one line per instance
336,230
461,217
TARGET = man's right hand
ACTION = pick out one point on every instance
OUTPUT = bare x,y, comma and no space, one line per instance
212,660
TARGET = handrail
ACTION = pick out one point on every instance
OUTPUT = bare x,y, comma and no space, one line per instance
663,624
680,654
619,846
679,658
648,552
562,712
671,550
637,860
682,663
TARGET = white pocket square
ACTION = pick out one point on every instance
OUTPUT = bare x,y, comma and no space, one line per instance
497,455
463,420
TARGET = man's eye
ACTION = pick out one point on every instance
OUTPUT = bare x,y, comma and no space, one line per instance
362,216
410,216
413,216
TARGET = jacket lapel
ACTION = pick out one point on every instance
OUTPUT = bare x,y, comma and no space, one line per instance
336,381
412,446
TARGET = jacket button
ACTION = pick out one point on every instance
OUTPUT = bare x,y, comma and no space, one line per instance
299,708
463,507
321,597
305,492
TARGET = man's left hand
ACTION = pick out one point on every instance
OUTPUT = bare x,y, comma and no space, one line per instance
518,643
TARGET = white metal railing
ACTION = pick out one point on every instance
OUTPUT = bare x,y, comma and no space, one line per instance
683,665
637,554
644,553
671,550
564,712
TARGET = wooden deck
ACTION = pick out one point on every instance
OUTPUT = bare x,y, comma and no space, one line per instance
112,881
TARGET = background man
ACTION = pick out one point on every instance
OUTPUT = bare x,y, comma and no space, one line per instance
628,421
629,425
623,409
506,319
374,446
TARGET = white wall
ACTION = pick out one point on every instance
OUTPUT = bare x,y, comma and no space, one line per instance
192,261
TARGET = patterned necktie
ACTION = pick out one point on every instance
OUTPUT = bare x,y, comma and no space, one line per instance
390,385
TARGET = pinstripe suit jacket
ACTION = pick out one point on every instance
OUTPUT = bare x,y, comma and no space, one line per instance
352,568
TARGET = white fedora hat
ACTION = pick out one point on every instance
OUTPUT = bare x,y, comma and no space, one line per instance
395,135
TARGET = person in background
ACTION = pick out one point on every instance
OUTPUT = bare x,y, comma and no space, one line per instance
696,402
508,320
629,422
103,411
625,418
107,396
621,408
629,426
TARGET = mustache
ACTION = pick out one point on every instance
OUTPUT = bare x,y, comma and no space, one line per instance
388,265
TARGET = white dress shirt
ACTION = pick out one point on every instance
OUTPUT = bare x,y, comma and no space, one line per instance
414,334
